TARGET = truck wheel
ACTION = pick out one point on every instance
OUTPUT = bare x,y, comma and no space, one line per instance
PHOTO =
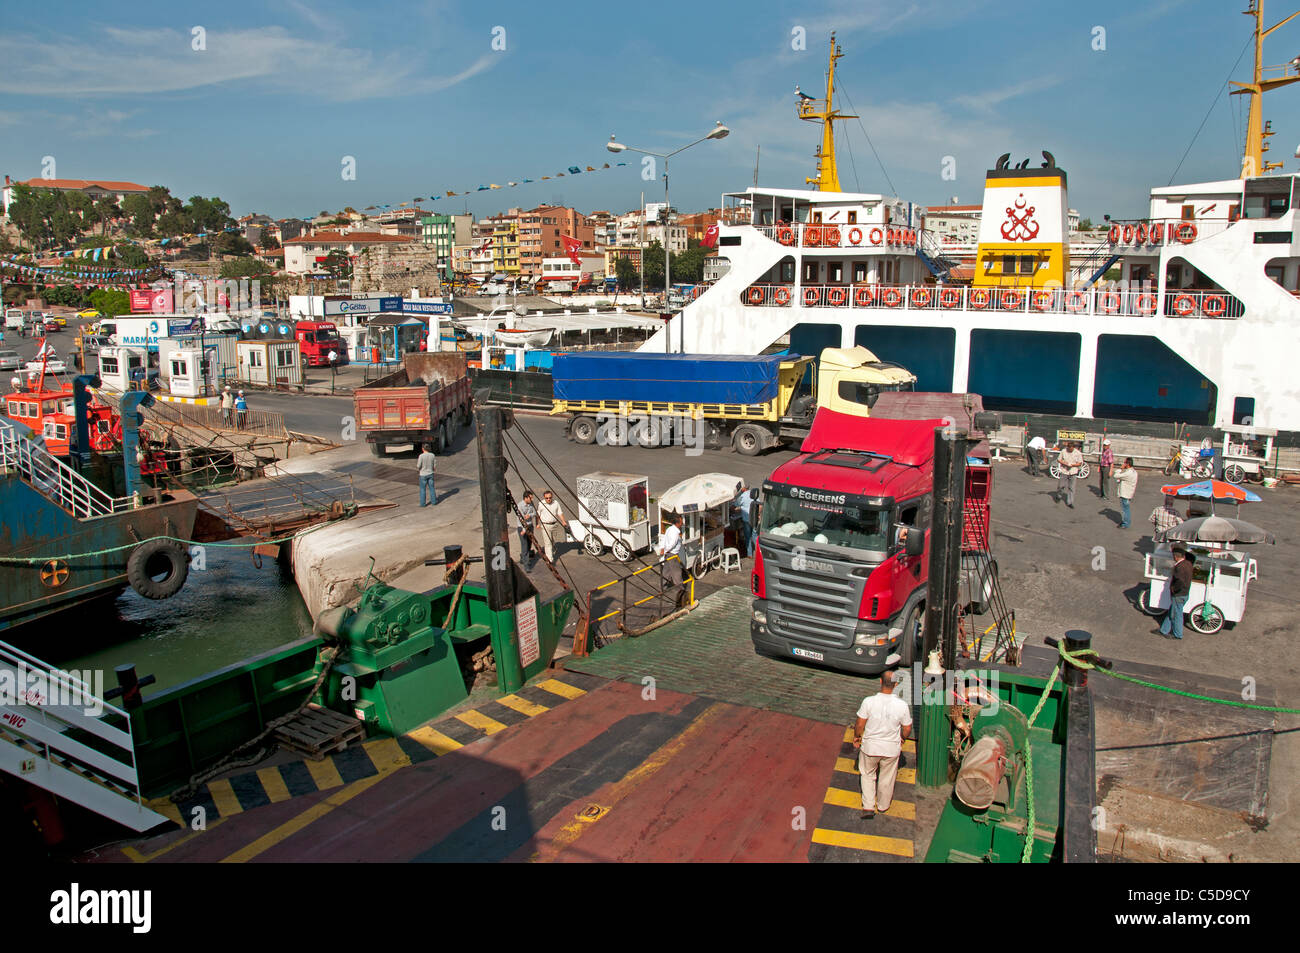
157,568
747,440
377,449
592,545
437,441
645,433
583,430
909,648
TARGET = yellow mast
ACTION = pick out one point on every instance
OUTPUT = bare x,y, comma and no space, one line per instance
1252,159
823,111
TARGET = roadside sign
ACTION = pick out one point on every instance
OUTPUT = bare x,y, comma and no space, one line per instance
526,625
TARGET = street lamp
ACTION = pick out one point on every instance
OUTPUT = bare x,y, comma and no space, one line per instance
719,131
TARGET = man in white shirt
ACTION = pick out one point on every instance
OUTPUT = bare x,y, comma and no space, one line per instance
1035,450
884,723
425,465
553,523
669,545
1069,463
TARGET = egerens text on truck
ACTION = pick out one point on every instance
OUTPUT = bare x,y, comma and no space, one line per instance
841,569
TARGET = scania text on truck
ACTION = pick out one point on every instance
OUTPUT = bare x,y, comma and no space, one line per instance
841,567
749,403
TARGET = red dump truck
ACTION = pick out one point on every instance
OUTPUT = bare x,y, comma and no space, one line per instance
427,401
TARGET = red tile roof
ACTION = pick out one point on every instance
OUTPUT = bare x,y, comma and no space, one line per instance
85,184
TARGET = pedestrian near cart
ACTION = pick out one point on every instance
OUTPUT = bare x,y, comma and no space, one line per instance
1180,584
553,523
1104,466
1127,481
1035,450
670,545
227,407
425,466
1164,518
527,527
1068,463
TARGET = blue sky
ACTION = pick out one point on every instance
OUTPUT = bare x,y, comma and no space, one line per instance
415,92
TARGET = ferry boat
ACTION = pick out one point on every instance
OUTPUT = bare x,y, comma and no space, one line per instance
1197,325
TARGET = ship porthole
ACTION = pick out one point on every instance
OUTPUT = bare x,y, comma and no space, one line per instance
54,573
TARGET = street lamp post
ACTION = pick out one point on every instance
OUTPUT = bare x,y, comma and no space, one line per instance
719,131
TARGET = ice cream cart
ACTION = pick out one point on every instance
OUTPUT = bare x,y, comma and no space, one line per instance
613,513
704,502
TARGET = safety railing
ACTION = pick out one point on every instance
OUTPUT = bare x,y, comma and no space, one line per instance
599,634
1106,302
865,237
1159,232
54,479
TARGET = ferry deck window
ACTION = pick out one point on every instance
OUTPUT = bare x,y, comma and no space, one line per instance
859,271
1189,213
1028,264
809,272
853,217
835,271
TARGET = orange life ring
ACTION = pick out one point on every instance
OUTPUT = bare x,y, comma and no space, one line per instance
921,298
831,237
1158,233
782,296
1140,233
1184,305
864,297
812,235
1076,301
855,236
1145,304
1185,233
755,295
1111,301
1214,305
785,235
893,298
1128,234
979,299
911,236
1042,300
892,237
1113,235
1011,299
949,298
877,236
836,297
809,297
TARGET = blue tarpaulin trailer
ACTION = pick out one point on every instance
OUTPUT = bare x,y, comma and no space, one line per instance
693,378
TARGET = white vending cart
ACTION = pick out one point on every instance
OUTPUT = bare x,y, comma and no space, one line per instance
613,513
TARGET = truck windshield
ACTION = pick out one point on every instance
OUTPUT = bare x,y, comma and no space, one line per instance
827,518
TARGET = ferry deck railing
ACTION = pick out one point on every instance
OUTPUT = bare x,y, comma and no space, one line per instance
1105,302
54,479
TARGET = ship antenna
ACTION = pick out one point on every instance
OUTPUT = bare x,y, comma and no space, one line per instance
823,111
1252,159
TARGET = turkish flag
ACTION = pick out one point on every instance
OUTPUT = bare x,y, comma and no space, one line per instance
571,248
710,237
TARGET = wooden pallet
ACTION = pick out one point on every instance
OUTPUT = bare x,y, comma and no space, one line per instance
318,732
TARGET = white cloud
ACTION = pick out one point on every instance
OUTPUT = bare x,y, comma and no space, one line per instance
143,62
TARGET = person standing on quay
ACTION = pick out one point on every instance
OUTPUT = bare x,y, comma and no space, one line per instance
1035,450
241,410
1180,583
884,723
1070,461
1104,466
227,406
1127,481
425,466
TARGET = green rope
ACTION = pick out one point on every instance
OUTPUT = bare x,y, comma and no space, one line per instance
68,557
1029,766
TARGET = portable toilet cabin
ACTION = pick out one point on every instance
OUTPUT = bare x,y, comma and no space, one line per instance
123,368
269,363
187,375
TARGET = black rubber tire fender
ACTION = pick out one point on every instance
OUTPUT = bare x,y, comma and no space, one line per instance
149,559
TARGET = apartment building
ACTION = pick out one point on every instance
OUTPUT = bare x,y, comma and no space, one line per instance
540,230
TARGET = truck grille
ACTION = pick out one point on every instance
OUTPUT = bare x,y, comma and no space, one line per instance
813,604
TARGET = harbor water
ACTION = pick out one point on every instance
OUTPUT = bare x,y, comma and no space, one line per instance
227,611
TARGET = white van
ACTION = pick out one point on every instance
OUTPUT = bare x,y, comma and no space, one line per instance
14,318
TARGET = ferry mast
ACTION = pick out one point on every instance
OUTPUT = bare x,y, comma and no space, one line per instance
1252,159
823,111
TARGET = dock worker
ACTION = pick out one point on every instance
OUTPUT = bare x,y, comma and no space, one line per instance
227,406
527,518
241,410
1127,481
552,523
1070,461
1035,450
1104,466
745,510
1164,518
425,465
884,723
1180,583
670,570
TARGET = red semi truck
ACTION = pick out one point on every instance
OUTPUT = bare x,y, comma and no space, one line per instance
427,401
316,339
836,581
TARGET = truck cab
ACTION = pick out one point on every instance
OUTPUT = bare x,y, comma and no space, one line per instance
316,340
850,379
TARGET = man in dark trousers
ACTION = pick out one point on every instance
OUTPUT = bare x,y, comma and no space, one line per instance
1180,583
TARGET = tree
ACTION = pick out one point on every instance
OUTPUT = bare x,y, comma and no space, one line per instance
230,243
688,267
142,212
131,256
1085,225
244,268
627,273
653,256
270,241
110,302
338,264
106,210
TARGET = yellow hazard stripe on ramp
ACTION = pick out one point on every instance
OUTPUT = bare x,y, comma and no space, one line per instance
903,810
324,774
434,740
223,796
522,705
850,766
273,785
872,842
557,687
386,754
476,719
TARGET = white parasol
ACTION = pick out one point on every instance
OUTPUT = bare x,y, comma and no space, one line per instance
701,492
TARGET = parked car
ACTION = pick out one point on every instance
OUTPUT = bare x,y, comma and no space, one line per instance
50,326
54,365
10,361
93,342
58,319
88,313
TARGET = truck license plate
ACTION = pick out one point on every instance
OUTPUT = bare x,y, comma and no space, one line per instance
809,654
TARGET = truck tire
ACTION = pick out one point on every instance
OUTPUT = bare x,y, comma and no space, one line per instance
583,430
157,568
747,440
377,449
645,434
913,632
437,441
